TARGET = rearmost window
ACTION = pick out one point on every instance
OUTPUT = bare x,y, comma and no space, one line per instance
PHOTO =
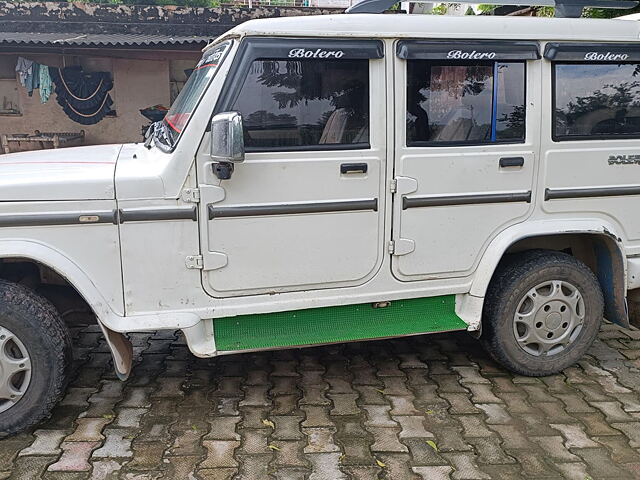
596,101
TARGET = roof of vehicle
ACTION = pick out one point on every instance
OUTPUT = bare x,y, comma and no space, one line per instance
443,26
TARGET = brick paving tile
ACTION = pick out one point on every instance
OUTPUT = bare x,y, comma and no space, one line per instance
410,409
599,463
325,466
47,442
105,469
75,456
216,474
117,445
146,456
88,430
574,436
30,467
573,471
433,473
320,440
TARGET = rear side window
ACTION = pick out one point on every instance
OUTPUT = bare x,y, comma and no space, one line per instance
460,103
305,104
596,101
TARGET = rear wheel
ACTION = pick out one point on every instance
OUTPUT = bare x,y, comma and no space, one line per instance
35,353
542,312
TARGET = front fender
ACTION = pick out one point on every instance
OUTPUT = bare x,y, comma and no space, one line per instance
62,265
43,254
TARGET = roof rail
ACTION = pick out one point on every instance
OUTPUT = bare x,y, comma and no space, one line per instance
564,8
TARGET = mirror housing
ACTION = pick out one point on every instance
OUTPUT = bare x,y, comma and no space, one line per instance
227,138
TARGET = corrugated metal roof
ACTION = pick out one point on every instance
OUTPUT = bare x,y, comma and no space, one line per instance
97,39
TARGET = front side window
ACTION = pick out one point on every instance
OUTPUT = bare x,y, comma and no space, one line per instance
305,104
465,103
594,101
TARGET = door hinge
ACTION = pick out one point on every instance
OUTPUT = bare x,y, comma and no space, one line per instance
393,186
194,261
191,195
401,246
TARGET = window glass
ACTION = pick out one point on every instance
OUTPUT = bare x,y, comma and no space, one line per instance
473,103
185,104
597,100
305,103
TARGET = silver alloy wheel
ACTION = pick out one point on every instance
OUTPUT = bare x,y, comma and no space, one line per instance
15,369
549,318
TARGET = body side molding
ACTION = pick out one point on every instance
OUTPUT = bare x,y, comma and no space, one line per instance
439,201
554,193
292,208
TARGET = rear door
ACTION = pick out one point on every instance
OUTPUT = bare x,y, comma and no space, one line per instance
305,209
591,165
467,133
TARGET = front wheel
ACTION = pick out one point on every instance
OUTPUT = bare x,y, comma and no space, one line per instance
542,312
35,353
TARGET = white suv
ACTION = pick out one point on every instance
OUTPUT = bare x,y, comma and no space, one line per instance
335,178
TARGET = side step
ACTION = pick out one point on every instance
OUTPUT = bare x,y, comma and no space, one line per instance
337,324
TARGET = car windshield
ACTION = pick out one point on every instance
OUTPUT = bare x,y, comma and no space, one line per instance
168,131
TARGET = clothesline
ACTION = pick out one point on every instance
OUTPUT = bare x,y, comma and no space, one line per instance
34,76
83,96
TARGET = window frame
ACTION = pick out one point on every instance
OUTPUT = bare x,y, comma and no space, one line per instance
581,138
254,48
12,76
467,143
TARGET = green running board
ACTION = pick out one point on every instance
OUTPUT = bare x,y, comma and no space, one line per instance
337,324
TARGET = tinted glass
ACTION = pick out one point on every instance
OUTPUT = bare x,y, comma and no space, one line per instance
305,103
597,100
454,103
177,117
510,106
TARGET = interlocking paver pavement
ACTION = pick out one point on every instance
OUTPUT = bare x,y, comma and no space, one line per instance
432,407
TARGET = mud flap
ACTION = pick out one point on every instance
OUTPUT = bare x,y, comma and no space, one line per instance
121,351
610,273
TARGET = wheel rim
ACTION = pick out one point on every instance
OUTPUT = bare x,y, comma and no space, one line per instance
15,369
549,318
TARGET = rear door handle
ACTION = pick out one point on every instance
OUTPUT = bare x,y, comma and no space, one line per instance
511,162
353,168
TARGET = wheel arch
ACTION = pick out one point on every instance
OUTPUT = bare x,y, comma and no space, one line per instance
45,257
597,244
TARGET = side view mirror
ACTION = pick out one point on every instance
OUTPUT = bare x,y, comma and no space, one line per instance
227,140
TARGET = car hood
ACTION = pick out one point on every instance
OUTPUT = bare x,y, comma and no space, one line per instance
78,173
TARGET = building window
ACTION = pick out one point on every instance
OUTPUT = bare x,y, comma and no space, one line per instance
305,104
596,101
465,103
9,95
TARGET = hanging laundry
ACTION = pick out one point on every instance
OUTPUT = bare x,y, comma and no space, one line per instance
33,79
83,96
46,86
23,68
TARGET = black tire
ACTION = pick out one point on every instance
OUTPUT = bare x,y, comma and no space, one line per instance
513,280
40,330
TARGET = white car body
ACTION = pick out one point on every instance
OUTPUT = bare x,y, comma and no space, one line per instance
128,226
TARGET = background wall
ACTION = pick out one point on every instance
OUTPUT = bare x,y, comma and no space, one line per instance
140,80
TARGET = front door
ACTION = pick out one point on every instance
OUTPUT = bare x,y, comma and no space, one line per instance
465,152
305,209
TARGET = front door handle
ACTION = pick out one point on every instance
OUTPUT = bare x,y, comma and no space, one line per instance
511,162
353,168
